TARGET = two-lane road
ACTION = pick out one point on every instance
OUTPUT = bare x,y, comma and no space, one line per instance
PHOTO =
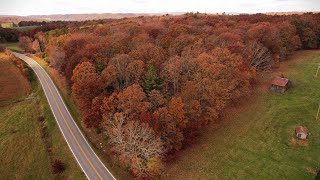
80,148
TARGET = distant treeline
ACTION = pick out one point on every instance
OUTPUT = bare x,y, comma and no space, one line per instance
32,23
13,35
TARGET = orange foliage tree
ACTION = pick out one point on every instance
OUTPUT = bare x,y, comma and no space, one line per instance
86,85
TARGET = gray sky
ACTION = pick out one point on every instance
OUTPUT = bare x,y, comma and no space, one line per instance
44,7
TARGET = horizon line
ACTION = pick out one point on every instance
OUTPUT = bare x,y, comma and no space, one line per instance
162,13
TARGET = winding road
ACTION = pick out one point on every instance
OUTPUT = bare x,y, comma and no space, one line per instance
89,162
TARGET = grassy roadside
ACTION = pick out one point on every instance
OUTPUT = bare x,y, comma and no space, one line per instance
257,142
97,141
60,148
23,153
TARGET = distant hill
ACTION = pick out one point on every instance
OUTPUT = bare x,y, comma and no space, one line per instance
288,13
15,19
75,17
84,17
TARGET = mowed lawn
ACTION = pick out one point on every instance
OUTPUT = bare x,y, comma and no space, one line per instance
257,142
23,153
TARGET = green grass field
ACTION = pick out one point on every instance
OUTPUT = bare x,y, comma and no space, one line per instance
13,46
6,25
258,142
23,155
22,150
24,28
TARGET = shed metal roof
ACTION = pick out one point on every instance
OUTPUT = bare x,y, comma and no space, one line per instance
301,129
279,81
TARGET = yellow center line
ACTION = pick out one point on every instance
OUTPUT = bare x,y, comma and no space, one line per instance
64,119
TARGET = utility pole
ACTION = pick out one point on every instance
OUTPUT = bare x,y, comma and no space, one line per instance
318,112
318,70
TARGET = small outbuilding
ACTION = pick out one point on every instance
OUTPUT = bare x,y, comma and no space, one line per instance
301,132
280,85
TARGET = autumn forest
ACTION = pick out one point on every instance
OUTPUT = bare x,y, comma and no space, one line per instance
152,84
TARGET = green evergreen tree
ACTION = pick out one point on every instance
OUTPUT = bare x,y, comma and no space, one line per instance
99,66
151,80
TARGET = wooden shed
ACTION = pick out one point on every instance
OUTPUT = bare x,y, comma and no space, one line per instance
279,85
301,132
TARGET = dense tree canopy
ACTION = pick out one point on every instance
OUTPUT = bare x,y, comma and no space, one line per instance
158,80
8,35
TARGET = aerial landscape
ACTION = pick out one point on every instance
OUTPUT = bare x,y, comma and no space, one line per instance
172,90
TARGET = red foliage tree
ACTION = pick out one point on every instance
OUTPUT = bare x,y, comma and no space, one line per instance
172,122
93,117
86,85
131,101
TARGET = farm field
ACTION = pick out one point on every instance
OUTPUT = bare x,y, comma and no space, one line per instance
13,46
256,141
23,148
24,28
6,25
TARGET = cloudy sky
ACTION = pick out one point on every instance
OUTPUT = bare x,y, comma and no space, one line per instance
41,7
